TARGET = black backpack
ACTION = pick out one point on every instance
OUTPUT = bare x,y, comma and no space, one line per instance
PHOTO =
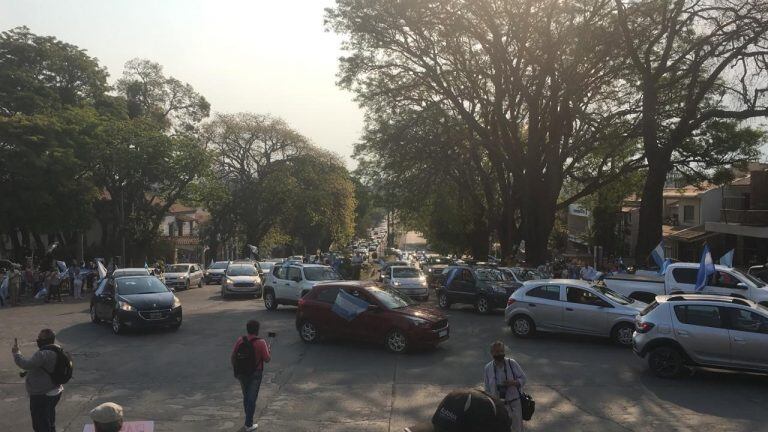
245,359
62,371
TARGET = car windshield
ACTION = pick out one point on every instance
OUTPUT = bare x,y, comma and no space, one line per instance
242,270
320,274
123,273
528,274
753,280
219,265
140,285
489,275
177,268
391,299
613,295
405,273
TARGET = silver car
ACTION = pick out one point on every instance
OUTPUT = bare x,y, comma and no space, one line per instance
702,330
183,276
241,279
571,306
408,280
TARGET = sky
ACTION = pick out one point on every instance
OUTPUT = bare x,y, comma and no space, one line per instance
243,55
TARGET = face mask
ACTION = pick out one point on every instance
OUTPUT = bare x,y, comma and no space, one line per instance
499,357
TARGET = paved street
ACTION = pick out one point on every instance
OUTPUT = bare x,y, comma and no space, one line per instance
183,380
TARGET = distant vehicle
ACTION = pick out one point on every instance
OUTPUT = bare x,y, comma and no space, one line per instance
408,280
138,271
676,331
571,306
385,268
760,272
241,279
266,267
434,275
485,288
134,302
215,272
287,283
183,276
681,278
391,318
522,274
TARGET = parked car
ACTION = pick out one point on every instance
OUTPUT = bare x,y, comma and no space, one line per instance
434,275
485,288
133,302
241,278
521,274
408,280
138,271
215,273
289,282
385,268
681,278
677,331
183,276
390,318
571,306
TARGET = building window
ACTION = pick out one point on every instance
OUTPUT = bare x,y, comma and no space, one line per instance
688,213
171,230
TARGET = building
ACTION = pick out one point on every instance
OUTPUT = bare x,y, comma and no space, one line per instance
181,227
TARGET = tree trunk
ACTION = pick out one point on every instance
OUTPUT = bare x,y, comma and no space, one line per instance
651,211
538,221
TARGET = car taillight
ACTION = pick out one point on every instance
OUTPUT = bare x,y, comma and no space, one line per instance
643,327
301,302
510,302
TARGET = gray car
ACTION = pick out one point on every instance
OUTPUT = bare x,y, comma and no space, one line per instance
683,330
571,306
241,279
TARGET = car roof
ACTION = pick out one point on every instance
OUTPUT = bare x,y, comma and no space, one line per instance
705,298
572,282
189,264
402,266
131,269
347,284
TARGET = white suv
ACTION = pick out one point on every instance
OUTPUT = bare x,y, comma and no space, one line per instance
286,284
683,330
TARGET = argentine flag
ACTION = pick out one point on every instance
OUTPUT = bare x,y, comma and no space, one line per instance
450,278
727,259
658,255
706,269
348,306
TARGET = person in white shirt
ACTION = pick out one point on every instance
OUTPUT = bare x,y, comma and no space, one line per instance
504,378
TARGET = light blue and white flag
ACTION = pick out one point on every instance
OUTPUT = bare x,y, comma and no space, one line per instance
667,263
706,269
658,254
450,278
146,266
727,259
348,306
62,266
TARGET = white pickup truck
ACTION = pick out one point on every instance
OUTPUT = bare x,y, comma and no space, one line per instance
681,278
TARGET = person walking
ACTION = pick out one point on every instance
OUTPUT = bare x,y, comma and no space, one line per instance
14,285
505,379
107,417
248,358
43,393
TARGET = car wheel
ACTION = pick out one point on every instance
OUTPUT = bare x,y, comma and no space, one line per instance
443,302
308,332
622,334
665,362
269,301
94,318
522,326
482,305
117,326
397,342
200,283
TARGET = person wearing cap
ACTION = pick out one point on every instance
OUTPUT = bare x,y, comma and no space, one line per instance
467,411
505,379
107,417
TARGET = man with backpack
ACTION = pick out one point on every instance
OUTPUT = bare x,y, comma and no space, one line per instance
46,372
248,358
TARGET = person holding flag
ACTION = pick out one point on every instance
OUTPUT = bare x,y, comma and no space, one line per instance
706,269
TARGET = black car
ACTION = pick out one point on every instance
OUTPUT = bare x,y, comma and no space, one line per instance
133,302
486,288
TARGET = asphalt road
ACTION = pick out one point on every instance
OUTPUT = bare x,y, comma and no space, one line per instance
183,380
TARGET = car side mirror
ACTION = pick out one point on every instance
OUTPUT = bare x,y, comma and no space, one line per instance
172,289
742,285
373,307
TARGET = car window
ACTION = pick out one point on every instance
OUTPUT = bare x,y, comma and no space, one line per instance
241,270
193,269
391,299
294,273
685,275
176,268
724,280
699,315
321,274
405,272
328,295
466,275
219,265
547,292
582,296
748,321
140,285
279,272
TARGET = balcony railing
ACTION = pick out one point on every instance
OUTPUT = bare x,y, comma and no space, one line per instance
745,217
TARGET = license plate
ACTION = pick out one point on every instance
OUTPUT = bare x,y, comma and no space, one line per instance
442,333
155,315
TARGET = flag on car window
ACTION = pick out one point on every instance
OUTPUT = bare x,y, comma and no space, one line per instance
706,269
348,306
450,277
727,259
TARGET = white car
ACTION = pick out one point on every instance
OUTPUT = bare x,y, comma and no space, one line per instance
408,280
183,276
287,283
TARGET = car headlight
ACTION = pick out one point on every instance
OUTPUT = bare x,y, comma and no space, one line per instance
396,283
125,306
229,281
185,277
419,322
176,302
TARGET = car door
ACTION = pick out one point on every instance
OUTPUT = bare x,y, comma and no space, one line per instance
105,300
293,282
320,312
467,287
545,306
368,325
724,283
700,330
453,283
584,312
749,338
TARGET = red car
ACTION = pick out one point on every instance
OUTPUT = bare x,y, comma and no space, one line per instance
382,315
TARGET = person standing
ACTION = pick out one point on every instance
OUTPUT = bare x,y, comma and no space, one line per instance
248,358
44,394
504,378
53,282
14,285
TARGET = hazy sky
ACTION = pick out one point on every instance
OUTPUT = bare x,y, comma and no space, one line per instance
249,55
